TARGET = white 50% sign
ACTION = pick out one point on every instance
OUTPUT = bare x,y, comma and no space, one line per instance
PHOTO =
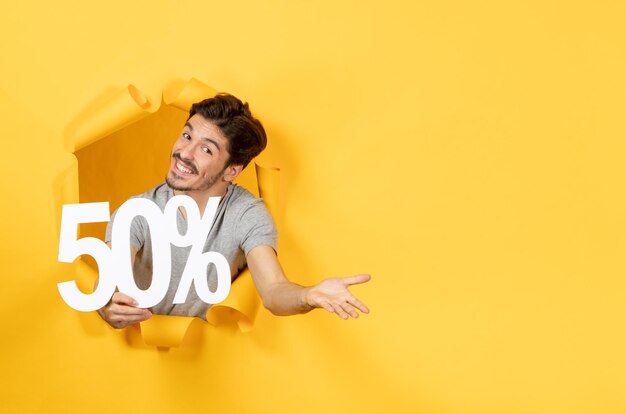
114,264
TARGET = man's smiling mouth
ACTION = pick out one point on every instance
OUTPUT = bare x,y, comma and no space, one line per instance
183,167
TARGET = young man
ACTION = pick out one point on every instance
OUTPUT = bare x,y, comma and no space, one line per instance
218,140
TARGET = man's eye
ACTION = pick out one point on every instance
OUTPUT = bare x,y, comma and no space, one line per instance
207,150
186,136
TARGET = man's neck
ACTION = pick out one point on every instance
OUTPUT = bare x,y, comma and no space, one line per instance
202,197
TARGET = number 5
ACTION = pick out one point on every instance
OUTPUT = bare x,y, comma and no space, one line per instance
70,248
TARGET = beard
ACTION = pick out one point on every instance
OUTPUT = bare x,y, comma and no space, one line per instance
202,187
172,179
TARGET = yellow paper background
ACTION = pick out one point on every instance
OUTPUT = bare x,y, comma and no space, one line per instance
470,155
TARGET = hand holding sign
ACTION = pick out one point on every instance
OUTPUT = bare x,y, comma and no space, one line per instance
115,264
122,311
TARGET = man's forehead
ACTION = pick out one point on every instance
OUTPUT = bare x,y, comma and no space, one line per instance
205,128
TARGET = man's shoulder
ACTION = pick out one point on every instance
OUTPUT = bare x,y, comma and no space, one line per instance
239,200
252,224
241,195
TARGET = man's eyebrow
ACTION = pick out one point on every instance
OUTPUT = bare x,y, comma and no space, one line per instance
212,141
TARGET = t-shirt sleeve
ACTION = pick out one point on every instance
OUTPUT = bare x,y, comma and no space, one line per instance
138,231
256,228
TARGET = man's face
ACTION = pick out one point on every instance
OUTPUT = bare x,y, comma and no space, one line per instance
199,156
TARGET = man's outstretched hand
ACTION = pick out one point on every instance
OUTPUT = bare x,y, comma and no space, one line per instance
334,296
122,311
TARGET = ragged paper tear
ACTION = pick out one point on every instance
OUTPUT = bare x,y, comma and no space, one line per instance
123,108
100,140
243,302
165,331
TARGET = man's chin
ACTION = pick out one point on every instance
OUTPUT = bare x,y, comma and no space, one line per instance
175,186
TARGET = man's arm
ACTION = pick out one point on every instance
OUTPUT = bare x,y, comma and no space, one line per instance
122,310
283,297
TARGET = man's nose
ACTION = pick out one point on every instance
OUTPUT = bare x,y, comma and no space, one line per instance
186,152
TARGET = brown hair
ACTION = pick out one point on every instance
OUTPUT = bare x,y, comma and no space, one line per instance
245,134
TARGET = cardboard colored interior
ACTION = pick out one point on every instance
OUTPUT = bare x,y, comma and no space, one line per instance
114,166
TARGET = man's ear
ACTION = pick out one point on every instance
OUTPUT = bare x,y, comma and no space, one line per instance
232,171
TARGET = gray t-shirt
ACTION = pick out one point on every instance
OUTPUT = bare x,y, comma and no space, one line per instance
241,223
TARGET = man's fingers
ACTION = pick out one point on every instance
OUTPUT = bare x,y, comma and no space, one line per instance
123,311
354,280
137,318
129,310
349,310
122,321
339,311
120,316
327,306
123,299
358,304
